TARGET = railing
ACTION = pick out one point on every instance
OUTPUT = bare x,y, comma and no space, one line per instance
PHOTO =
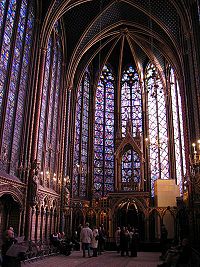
38,250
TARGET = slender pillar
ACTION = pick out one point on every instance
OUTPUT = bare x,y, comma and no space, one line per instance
35,141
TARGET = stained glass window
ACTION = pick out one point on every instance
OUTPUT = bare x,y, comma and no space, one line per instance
178,130
131,104
2,10
15,53
44,101
157,124
81,141
24,76
104,135
48,131
131,109
5,49
130,171
68,108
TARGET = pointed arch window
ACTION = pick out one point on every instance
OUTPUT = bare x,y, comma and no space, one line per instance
80,169
131,108
131,100
49,123
131,172
179,146
104,135
157,126
17,22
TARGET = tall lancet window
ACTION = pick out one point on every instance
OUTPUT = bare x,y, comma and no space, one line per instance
16,23
49,123
104,135
157,126
68,108
131,109
180,165
131,103
80,169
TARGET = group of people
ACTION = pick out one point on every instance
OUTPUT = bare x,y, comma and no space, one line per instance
127,240
92,238
60,241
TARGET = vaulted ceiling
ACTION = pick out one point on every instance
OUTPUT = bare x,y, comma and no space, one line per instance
118,32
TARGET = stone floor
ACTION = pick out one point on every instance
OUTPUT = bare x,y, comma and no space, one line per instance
108,259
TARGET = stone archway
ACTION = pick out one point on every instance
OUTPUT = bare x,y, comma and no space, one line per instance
78,219
129,214
10,214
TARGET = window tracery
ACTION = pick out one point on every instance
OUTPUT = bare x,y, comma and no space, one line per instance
49,124
104,135
14,68
80,170
157,126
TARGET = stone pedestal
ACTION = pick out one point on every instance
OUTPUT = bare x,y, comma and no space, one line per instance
166,192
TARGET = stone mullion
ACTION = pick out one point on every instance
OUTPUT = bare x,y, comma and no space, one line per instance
186,98
57,154
179,131
61,136
31,103
65,133
170,132
62,116
147,174
52,114
118,95
38,103
71,139
9,70
46,123
90,141
54,168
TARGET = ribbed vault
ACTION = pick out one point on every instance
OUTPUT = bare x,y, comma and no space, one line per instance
93,27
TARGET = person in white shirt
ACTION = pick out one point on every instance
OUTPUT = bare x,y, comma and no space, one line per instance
86,239
95,239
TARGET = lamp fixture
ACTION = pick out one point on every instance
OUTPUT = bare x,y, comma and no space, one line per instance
196,152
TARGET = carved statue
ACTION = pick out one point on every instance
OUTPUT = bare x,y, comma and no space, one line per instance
66,196
34,184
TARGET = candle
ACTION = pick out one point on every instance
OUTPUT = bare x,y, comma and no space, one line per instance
194,145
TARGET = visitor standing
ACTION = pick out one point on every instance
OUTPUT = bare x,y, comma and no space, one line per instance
117,239
86,239
95,239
